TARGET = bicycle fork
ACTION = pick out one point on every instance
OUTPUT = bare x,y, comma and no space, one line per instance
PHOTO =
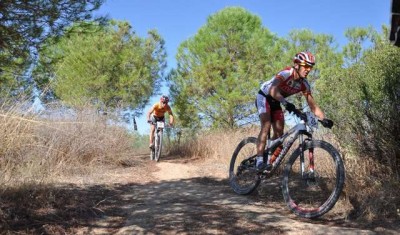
310,158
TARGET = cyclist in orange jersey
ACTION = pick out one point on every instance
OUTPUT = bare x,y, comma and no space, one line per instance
272,93
156,113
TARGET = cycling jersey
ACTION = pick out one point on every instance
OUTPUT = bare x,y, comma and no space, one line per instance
160,111
287,85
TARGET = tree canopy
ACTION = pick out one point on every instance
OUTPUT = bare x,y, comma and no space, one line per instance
219,69
109,67
24,25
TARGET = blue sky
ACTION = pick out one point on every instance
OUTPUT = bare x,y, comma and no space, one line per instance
178,20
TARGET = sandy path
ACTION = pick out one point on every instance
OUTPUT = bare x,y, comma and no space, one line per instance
194,198
174,171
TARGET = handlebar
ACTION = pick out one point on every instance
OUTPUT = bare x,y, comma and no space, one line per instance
300,115
166,124
303,116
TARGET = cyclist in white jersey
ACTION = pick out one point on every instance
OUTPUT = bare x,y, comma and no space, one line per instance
287,82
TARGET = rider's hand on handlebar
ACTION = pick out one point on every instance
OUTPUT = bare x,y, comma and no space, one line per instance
290,107
327,123
301,115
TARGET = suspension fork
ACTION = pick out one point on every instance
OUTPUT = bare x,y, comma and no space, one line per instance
310,156
311,159
301,146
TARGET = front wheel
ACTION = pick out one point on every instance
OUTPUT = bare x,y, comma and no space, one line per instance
243,177
313,179
152,154
158,145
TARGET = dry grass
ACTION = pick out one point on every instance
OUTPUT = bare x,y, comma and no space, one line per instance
214,145
42,149
40,158
372,189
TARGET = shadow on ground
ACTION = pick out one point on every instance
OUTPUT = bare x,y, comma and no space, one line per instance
190,206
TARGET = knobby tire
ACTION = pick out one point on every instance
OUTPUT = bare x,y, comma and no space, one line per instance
158,145
316,194
243,177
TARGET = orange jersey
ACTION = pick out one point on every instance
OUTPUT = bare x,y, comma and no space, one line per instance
158,111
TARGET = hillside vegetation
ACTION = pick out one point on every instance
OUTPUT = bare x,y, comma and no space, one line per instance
99,70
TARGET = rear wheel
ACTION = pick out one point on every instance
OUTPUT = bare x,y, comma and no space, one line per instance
243,177
312,193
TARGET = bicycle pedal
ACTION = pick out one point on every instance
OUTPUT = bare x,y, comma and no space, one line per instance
264,175
265,168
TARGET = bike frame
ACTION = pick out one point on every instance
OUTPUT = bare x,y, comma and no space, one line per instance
296,132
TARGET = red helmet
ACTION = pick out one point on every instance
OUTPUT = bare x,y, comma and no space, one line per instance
304,58
164,99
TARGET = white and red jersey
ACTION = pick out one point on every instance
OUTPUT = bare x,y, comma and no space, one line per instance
287,85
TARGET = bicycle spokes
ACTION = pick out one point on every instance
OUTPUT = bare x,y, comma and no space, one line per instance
246,165
312,192
242,173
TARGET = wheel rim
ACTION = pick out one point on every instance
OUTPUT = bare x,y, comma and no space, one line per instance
242,173
314,193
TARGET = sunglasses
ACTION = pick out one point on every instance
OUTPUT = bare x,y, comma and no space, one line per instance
307,66
165,102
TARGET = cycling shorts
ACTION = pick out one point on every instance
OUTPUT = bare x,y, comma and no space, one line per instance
267,104
155,119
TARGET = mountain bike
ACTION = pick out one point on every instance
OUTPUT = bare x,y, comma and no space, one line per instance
313,176
155,152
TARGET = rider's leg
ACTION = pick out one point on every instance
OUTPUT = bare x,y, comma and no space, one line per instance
265,120
264,113
278,125
152,128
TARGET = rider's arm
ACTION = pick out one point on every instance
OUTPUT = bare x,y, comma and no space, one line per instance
151,110
313,106
171,117
275,92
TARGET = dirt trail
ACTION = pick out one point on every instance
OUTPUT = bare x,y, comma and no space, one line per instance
193,197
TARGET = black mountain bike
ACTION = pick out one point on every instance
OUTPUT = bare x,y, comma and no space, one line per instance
155,152
313,176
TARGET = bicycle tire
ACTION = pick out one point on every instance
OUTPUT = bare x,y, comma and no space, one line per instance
158,145
152,154
313,194
242,167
